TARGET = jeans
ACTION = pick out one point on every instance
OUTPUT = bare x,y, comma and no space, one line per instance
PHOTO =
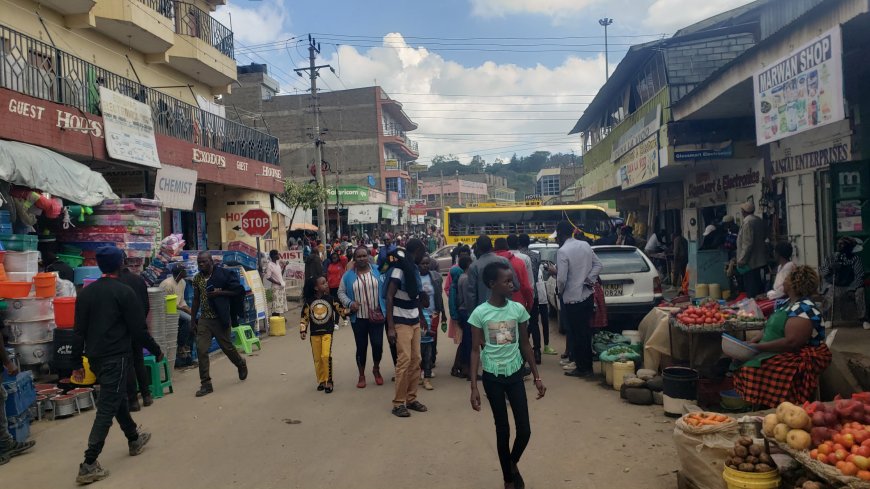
426,351
407,364
185,341
364,331
137,376
205,329
544,312
465,344
6,440
496,388
535,331
579,315
112,377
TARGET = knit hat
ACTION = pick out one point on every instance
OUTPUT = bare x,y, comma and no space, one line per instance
709,230
109,259
748,207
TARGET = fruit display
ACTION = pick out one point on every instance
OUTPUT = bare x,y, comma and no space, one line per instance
748,456
709,314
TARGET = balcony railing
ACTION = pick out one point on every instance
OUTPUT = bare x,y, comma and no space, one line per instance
35,68
162,7
192,21
391,129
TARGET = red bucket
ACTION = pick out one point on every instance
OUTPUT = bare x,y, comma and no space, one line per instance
65,312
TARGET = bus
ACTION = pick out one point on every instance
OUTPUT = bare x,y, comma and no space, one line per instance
539,222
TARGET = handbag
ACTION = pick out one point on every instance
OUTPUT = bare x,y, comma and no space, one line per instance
376,316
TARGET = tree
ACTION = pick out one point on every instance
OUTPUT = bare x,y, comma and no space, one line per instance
305,195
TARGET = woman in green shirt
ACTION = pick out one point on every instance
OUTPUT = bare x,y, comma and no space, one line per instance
500,328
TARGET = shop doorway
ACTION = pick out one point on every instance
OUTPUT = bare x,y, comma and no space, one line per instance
800,194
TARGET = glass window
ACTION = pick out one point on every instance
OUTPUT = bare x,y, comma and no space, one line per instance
549,185
621,261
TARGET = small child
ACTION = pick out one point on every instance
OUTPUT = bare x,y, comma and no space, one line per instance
320,313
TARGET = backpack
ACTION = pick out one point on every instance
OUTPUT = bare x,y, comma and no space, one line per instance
844,272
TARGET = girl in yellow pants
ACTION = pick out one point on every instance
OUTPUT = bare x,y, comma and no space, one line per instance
320,313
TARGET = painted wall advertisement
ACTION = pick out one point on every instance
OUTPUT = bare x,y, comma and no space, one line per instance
363,214
640,164
175,187
640,131
802,91
129,129
598,180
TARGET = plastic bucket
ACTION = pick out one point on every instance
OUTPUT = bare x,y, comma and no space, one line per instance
277,326
620,369
633,336
65,312
172,304
702,290
751,480
680,387
608,372
46,284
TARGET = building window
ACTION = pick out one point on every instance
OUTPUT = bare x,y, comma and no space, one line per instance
549,185
393,184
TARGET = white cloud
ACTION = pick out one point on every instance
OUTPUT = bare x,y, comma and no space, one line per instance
671,15
260,23
551,8
475,122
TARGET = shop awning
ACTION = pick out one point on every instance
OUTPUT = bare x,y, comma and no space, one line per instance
39,168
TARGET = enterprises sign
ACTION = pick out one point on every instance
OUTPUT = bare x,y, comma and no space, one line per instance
129,129
827,145
802,91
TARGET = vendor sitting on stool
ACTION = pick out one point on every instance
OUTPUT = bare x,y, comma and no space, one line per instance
793,351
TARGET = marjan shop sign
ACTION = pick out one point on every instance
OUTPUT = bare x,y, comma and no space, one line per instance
725,182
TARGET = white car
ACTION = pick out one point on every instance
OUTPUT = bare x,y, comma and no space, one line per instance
632,285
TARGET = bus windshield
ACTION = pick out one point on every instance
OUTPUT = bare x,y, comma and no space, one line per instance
539,221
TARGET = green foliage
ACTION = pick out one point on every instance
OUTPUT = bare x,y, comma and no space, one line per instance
305,195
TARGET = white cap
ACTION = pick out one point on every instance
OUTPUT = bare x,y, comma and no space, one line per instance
709,230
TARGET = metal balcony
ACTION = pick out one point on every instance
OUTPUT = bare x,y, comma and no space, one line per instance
204,48
35,68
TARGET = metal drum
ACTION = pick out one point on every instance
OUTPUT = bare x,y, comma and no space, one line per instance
84,398
64,405
41,403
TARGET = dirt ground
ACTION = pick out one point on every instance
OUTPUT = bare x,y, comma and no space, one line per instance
245,435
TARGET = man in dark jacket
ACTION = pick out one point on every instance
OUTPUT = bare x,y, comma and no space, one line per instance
108,319
138,375
216,290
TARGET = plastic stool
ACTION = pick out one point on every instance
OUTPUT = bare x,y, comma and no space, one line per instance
159,380
245,338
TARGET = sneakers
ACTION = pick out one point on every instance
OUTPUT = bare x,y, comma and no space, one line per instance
205,390
401,411
17,449
549,350
417,406
136,446
243,371
147,400
427,384
564,361
90,473
579,373
569,366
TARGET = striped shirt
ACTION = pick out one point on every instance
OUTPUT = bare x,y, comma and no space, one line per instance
405,309
365,293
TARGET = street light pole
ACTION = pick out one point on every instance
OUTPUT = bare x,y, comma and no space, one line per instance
604,23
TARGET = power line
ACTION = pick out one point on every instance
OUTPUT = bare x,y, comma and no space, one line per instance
508,111
530,119
497,38
474,95
524,104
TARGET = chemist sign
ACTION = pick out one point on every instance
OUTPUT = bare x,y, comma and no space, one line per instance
175,187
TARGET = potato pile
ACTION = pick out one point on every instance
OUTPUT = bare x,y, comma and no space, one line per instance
746,456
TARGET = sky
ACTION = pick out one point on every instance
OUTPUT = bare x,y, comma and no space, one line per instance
480,77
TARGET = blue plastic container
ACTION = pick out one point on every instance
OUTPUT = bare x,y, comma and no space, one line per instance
19,427
20,394
81,273
237,257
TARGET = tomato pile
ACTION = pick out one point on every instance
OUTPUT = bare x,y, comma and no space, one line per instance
708,314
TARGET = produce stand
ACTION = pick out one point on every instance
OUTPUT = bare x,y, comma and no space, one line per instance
824,471
730,326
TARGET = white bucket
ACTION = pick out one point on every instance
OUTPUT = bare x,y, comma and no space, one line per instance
633,336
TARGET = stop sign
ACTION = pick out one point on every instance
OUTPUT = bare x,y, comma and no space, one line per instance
256,222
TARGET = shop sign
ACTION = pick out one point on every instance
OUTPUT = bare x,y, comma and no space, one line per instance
417,168
705,186
256,284
129,129
175,187
362,214
391,164
200,156
640,165
598,180
637,133
350,193
816,151
294,266
694,152
802,91
391,213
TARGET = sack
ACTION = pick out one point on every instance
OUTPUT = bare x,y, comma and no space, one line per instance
703,451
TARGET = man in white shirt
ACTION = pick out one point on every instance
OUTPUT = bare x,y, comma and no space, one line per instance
273,279
782,252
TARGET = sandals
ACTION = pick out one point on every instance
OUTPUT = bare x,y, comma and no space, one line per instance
378,379
401,411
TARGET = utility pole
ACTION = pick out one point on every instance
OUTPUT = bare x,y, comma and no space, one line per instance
604,23
313,72
442,190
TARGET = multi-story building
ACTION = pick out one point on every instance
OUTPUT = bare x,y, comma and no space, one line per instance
452,192
365,132
60,61
497,187
551,183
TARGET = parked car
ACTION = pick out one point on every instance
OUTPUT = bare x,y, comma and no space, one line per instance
632,286
443,259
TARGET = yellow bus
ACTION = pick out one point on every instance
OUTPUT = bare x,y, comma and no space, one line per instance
539,222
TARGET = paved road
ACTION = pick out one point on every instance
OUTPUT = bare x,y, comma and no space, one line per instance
583,436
